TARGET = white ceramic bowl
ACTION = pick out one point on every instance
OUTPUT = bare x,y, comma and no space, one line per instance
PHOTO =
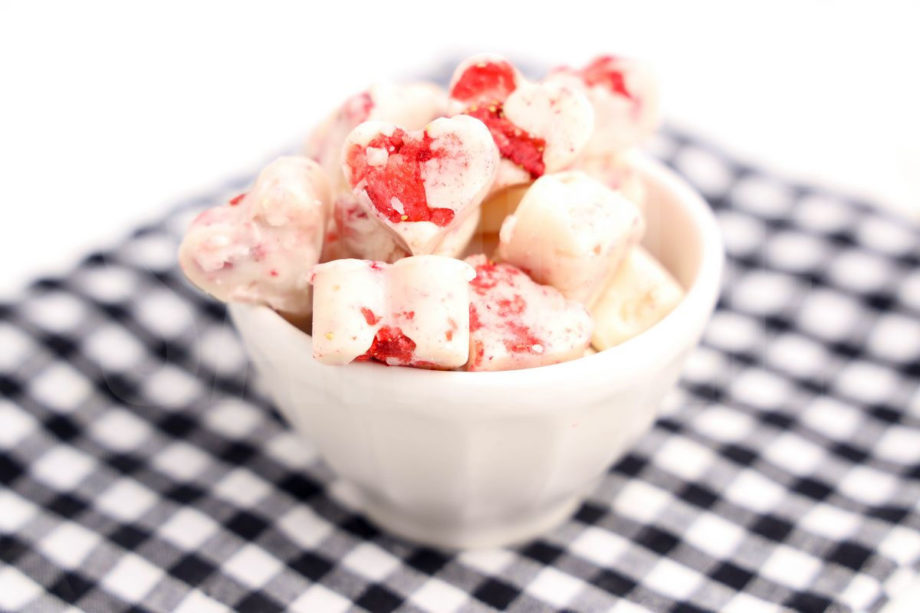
477,459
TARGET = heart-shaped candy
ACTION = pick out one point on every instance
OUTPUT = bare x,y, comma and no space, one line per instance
414,312
517,323
624,95
423,184
410,105
260,247
537,127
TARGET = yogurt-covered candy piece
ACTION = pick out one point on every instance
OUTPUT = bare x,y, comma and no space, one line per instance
423,184
640,294
516,323
616,171
624,95
538,127
570,231
410,105
260,247
414,312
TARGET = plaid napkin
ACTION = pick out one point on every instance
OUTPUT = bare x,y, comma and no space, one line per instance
141,469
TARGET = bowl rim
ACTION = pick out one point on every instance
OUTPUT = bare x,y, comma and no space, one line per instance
670,336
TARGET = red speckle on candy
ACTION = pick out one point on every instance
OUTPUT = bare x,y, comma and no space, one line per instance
369,316
475,324
515,335
376,266
391,347
449,334
490,274
485,80
237,199
520,338
477,353
514,143
511,306
399,178
604,71
358,107
273,272
410,315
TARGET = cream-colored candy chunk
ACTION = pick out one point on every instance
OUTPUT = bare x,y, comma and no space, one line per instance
516,323
259,248
640,294
570,231
414,312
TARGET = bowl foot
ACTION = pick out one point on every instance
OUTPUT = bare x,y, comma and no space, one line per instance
448,534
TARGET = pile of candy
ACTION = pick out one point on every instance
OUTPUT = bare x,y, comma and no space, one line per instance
492,226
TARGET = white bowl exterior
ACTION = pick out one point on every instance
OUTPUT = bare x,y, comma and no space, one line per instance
462,459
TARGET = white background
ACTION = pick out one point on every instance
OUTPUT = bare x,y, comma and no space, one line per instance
112,111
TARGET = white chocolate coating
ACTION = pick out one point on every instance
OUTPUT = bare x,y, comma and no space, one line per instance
624,94
517,323
414,312
461,164
570,231
261,248
639,295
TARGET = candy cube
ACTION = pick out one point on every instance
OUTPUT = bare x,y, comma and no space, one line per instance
260,247
516,323
640,294
414,312
570,231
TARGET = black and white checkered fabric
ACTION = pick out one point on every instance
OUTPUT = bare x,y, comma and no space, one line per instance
142,470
